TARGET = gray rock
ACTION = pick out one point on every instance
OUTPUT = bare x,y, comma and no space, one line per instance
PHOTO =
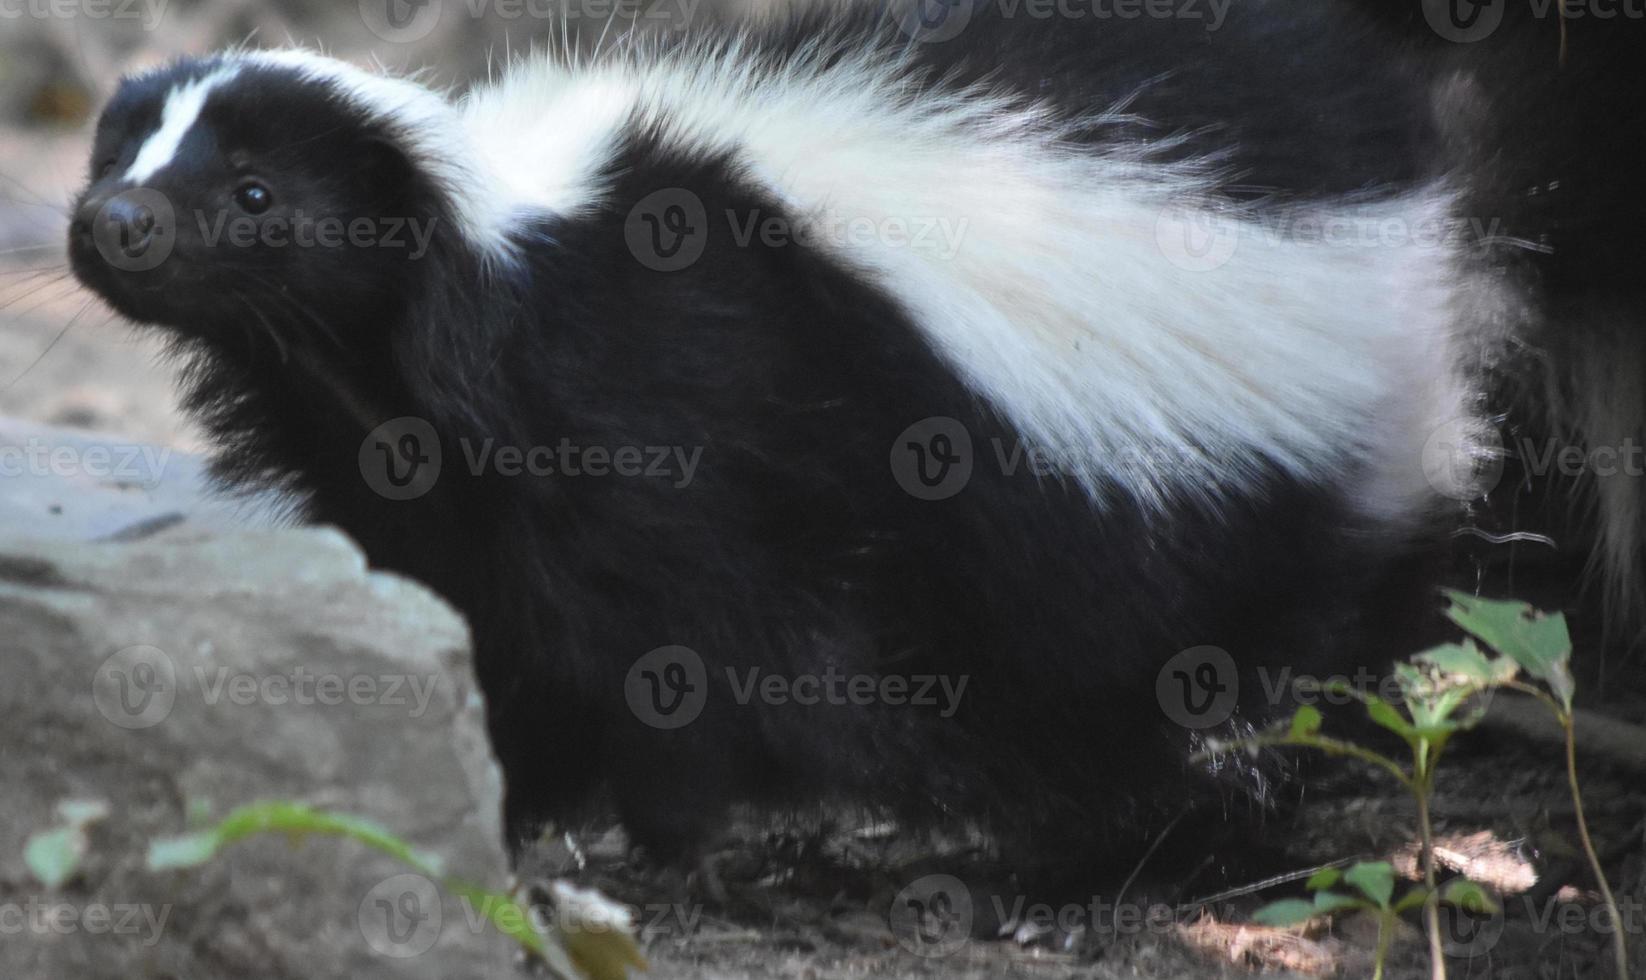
196,670
60,483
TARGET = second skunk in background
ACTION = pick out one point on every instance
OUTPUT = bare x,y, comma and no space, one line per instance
1086,375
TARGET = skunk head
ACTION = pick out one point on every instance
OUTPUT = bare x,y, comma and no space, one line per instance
276,191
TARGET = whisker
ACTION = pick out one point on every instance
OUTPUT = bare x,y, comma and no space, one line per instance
30,248
34,293
30,279
296,306
48,349
38,276
36,199
274,335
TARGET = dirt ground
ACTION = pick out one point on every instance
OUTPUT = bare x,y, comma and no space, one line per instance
823,899
818,899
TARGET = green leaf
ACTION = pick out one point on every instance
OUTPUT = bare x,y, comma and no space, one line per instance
1410,678
1286,912
82,813
569,951
1324,878
1440,710
1414,898
1375,879
1468,896
186,851
1537,642
1306,722
54,855
1432,717
1338,687
1460,659
1328,902
297,821
1388,716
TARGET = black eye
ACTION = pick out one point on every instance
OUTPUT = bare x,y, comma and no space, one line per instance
253,198
105,168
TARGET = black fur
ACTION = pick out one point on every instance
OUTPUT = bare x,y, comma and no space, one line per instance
794,549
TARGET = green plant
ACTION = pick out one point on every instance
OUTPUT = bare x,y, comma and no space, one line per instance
53,856
1439,691
1374,885
1541,646
571,953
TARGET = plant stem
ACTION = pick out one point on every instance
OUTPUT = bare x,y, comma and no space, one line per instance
1431,904
1620,948
1563,35
1385,932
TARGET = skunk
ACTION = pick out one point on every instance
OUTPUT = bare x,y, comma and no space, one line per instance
964,413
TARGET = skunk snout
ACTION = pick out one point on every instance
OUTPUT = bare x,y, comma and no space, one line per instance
130,221
131,229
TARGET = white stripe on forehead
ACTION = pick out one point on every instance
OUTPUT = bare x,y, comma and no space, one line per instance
427,127
182,109
422,123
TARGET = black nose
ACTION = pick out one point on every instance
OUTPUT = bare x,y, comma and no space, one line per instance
124,220
130,229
